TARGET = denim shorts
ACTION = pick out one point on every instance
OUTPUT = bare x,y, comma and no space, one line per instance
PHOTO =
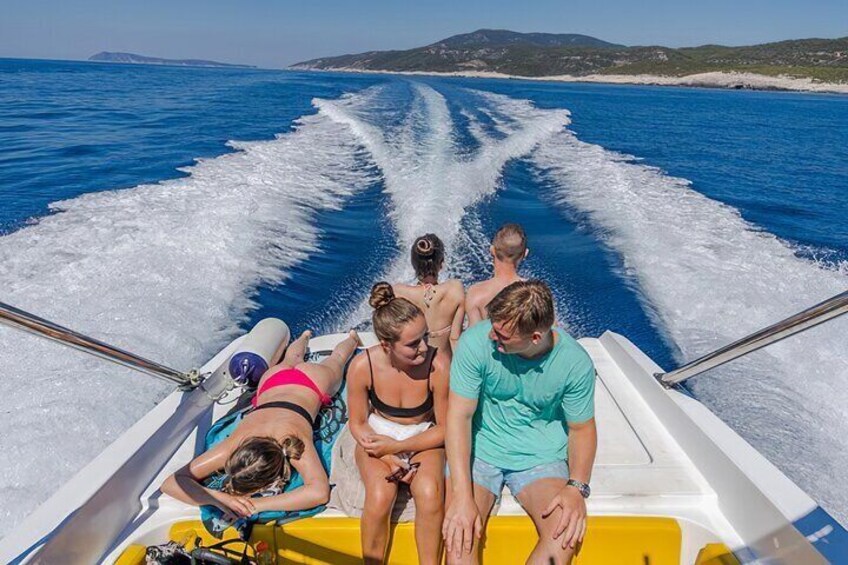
494,478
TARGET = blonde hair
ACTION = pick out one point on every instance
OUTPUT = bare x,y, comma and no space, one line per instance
527,306
510,243
391,313
261,462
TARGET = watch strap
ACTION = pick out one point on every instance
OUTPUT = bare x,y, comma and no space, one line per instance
583,488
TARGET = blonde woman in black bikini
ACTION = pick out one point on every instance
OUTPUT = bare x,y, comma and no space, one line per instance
272,441
443,304
397,400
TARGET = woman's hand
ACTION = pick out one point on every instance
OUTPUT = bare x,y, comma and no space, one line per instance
236,506
377,445
399,469
394,462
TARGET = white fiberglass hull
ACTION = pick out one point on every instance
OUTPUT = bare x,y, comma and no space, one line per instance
661,453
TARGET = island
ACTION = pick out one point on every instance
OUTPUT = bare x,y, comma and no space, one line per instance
802,64
132,58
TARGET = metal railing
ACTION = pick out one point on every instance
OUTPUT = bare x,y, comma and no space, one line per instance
22,320
811,317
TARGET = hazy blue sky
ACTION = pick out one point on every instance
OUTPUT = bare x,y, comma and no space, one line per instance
277,33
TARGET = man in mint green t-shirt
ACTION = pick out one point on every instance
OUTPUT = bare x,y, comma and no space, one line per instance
520,414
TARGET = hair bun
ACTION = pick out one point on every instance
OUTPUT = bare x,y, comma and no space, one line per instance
292,447
381,294
424,247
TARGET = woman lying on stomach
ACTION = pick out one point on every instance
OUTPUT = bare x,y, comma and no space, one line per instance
272,441
397,398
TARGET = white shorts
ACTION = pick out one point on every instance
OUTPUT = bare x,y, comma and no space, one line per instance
394,430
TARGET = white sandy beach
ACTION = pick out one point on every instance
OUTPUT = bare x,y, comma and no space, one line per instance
733,80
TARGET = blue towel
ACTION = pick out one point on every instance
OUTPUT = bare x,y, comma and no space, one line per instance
331,420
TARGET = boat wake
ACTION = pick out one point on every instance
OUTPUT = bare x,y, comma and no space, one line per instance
710,278
165,270
431,180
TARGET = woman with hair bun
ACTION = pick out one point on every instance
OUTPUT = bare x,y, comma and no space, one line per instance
397,402
443,304
272,441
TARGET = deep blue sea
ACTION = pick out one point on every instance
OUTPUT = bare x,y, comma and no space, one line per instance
168,209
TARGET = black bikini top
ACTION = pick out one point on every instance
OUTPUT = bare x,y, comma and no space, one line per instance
394,411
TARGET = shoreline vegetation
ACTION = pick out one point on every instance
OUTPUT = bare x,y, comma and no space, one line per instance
801,65
732,80
136,59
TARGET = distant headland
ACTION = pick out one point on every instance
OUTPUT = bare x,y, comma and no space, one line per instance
802,64
132,58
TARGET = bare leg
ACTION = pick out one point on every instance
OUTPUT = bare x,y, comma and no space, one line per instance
342,352
535,498
485,500
380,497
428,490
296,351
328,373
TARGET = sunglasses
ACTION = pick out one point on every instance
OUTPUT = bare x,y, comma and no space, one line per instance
401,473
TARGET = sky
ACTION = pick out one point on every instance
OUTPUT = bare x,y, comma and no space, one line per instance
275,34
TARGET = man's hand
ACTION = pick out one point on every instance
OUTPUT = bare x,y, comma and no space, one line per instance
462,526
572,521
377,445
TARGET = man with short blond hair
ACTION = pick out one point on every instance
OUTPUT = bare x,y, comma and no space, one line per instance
520,414
508,249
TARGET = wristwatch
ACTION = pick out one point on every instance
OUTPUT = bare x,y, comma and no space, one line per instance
582,488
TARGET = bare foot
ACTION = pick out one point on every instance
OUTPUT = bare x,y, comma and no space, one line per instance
352,334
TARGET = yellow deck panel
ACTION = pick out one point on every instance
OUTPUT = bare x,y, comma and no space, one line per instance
610,540
716,554
509,539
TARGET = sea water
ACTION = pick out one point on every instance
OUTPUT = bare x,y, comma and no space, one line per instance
166,210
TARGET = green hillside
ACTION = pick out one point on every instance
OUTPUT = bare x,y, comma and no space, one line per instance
535,55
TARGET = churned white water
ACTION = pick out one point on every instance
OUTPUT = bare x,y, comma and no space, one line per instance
431,182
711,277
164,270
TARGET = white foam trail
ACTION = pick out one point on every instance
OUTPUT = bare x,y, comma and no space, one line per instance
502,123
431,183
475,127
164,270
712,278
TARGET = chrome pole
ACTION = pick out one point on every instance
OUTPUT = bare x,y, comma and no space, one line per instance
811,317
19,319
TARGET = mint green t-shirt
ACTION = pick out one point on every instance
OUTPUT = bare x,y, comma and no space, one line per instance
523,404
